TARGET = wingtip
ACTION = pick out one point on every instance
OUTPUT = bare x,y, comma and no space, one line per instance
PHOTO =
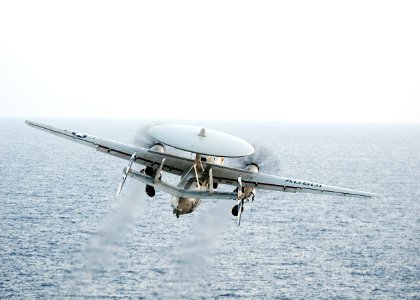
29,122
370,195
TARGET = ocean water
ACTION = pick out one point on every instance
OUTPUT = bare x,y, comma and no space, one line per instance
64,235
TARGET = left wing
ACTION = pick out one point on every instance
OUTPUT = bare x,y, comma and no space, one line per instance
226,175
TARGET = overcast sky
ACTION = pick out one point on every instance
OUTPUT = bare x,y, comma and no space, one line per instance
356,61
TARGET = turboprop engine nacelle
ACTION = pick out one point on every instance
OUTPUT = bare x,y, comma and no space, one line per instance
150,190
250,192
247,192
158,148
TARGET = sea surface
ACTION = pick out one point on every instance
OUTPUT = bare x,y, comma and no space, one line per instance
63,234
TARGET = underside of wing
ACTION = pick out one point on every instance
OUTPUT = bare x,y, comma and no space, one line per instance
173,164
226,175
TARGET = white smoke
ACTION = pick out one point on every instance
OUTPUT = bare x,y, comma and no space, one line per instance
107,248
194,258
120,223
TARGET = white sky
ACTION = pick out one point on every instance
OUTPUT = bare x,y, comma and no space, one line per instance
263,60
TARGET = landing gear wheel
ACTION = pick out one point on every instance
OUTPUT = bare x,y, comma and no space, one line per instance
150,190
235,210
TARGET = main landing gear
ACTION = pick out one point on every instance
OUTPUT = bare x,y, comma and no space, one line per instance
235,210
150,190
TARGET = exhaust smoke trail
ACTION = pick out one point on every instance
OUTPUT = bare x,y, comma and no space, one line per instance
100,260
116,228
192,262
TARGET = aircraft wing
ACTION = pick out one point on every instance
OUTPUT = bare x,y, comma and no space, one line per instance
180,165
226,175
173,164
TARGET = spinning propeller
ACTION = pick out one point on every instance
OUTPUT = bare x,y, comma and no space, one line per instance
125,173
143,138
240,200
263,157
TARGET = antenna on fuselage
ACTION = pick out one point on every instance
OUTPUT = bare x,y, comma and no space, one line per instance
202,132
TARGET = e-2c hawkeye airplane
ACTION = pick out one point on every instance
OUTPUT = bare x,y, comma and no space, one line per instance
200,177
